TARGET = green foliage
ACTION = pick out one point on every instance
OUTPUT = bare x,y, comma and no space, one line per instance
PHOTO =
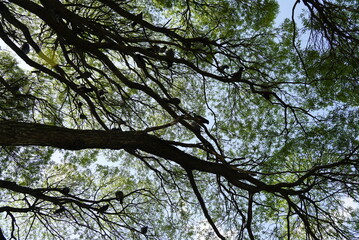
280,150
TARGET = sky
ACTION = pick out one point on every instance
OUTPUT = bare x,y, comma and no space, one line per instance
284,12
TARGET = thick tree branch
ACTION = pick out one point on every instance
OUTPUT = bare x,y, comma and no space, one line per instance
26,134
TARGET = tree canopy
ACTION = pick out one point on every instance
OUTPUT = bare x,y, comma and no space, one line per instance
195,119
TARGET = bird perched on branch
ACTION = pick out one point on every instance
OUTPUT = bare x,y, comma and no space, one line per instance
139,61
237,76
60,210
163,49
200,119
119,196
154,49
144,230
103,208
266,92
138,17
83,89
174,101
170,54
65,190
25,48
222,68
84,75
196,126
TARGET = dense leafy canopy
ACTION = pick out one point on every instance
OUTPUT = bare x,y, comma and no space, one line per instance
196,119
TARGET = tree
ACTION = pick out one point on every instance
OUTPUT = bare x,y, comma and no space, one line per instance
178,120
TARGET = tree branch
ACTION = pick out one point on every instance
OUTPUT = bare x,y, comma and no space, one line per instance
203,205
26,134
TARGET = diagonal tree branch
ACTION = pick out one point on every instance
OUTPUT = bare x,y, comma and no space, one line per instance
26,134
203,205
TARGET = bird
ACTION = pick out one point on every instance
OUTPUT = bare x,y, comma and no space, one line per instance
60,210
103,208
144,230
25,48
84,75
138,16
222,68
170,54
237,76
119,196
139,61
163,49
83,89
65,190
196,126
174,101
154,49
266,93
200,119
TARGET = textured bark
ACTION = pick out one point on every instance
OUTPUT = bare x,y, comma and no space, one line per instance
23,134
26,134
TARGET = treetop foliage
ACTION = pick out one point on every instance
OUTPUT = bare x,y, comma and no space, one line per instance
196,119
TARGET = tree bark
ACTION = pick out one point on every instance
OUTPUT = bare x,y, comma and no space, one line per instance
27,134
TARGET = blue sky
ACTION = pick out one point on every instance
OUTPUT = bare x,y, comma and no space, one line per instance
285,10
